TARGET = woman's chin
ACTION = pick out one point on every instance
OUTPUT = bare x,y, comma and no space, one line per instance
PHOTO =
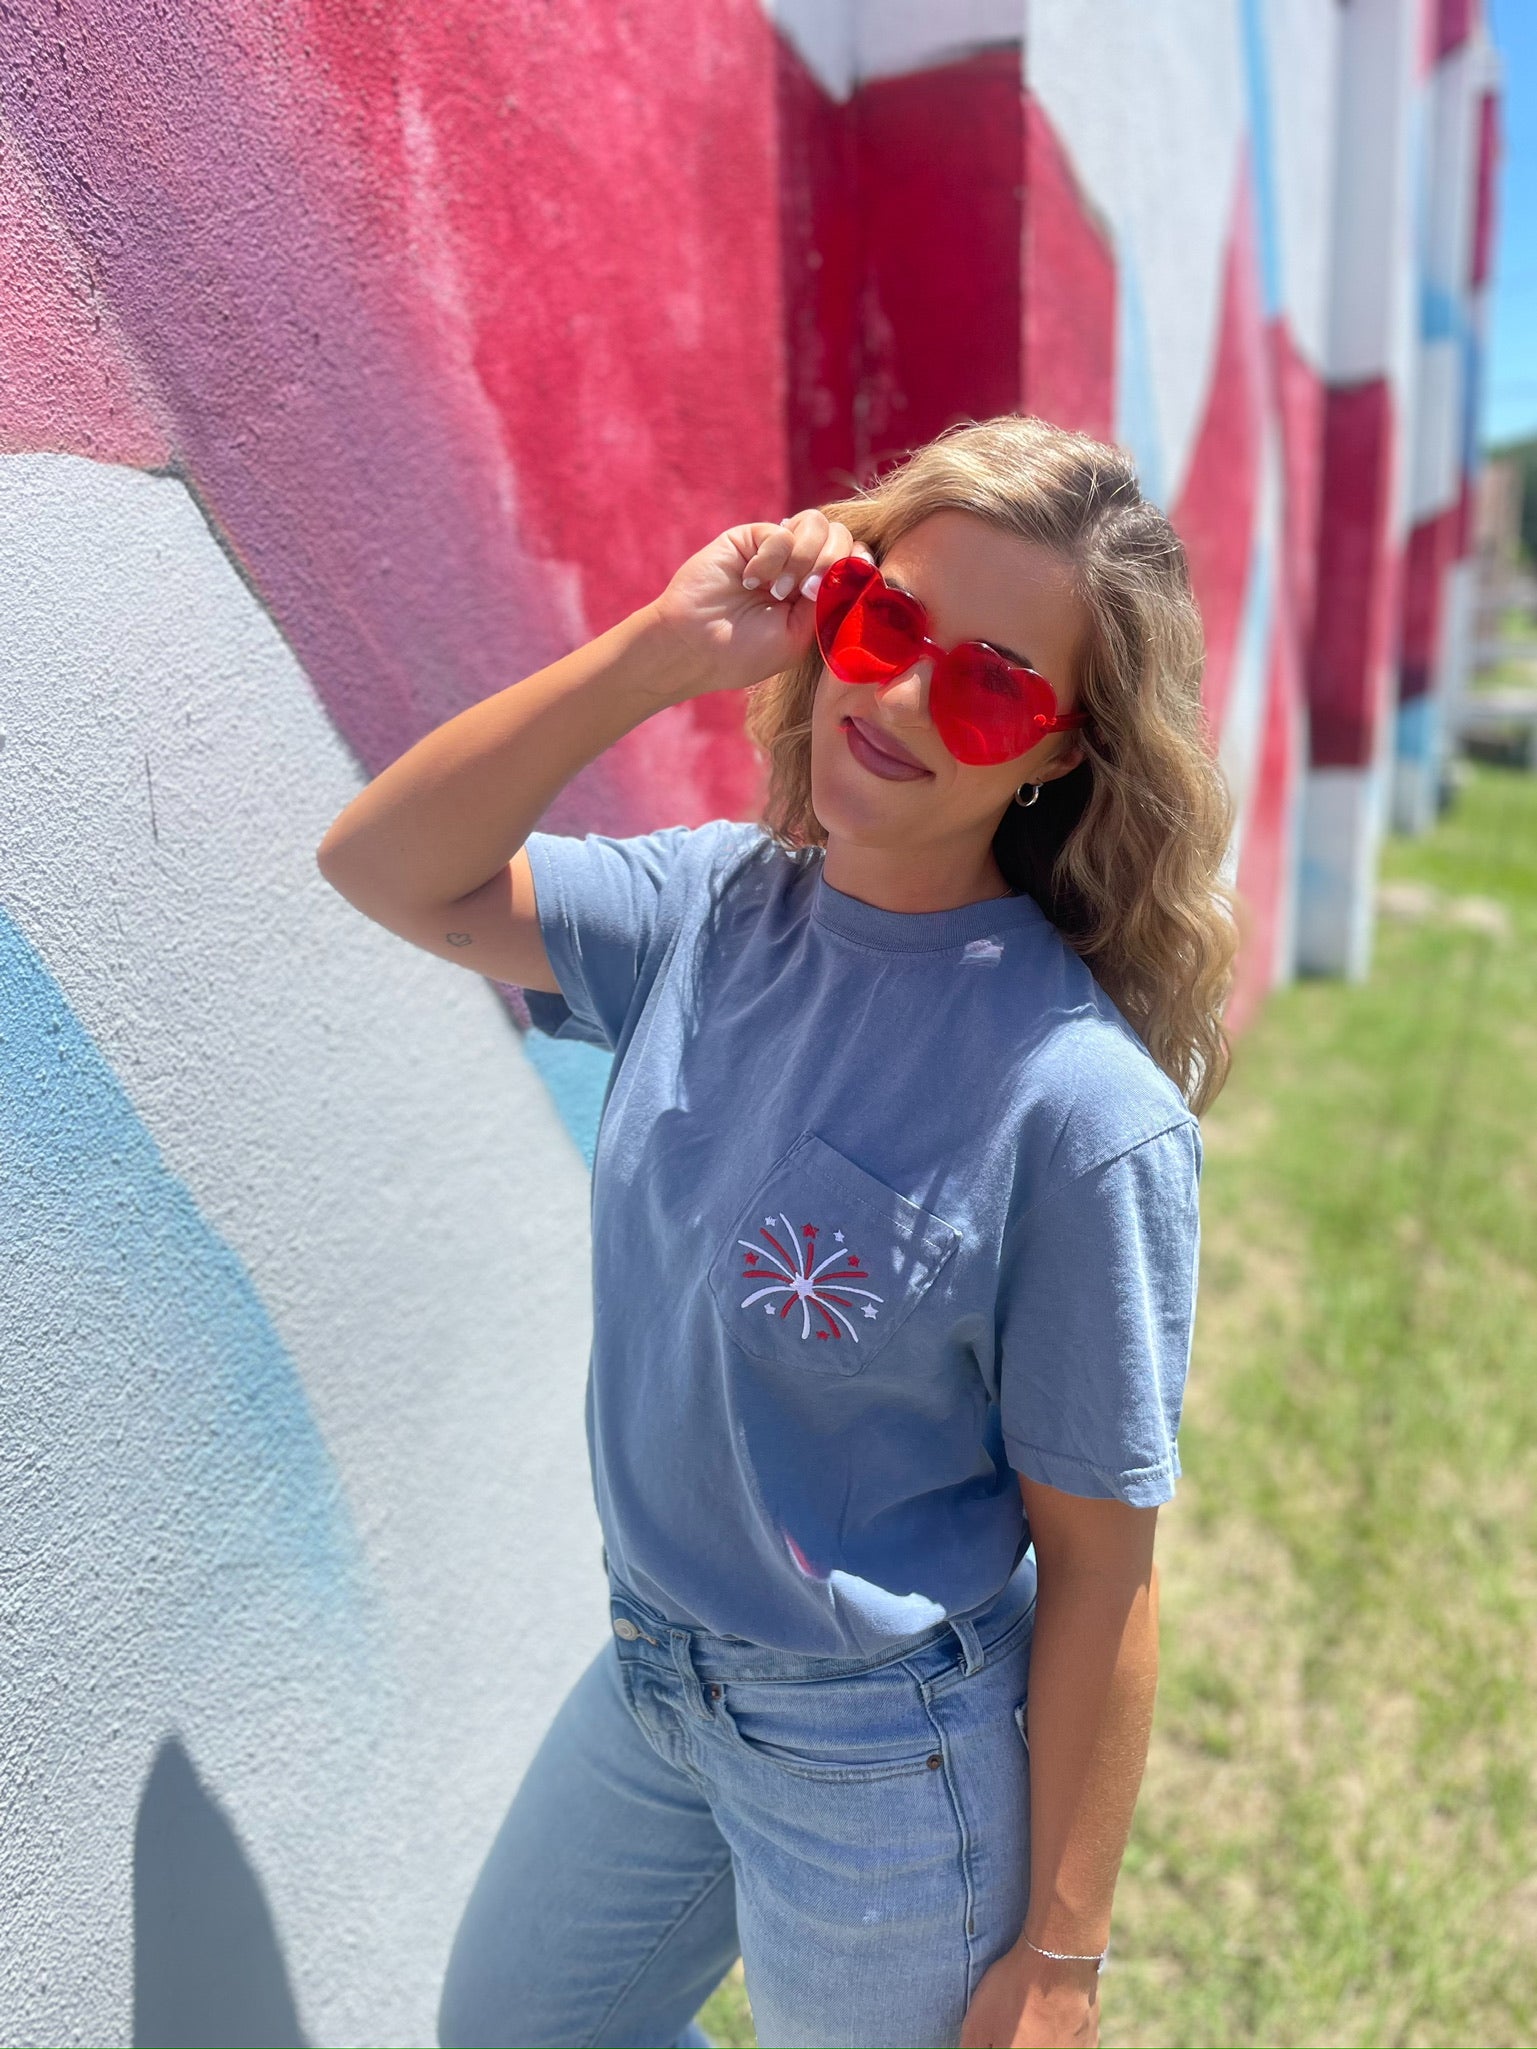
859,806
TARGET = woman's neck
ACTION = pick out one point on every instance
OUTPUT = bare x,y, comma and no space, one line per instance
894,879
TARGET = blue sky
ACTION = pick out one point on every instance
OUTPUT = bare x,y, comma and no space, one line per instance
1510,378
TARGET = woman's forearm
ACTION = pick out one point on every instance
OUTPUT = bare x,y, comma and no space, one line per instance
448,816
1093,1676
456,807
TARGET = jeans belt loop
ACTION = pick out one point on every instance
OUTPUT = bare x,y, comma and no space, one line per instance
971,1643
683,1660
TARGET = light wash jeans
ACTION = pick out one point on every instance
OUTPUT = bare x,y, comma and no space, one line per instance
856,1828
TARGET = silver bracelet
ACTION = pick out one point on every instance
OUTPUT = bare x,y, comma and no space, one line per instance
1062,1956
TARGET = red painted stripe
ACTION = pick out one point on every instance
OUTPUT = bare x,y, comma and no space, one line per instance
820,260
1349,668
1218,504
1069,289
1488,165
941,155
1432,550
1455,21
1299,406
1265,858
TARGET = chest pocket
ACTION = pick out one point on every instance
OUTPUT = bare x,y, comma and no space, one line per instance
825,1264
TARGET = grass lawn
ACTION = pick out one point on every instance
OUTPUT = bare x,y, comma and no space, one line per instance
1337,1837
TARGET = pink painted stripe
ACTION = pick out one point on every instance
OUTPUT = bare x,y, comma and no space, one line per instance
69,380
355,252
1218,504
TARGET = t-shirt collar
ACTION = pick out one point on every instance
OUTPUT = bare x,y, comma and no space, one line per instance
917,931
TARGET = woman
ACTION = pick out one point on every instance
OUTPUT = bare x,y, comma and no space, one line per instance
894,1236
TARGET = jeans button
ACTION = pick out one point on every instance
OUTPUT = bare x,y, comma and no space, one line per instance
624,1627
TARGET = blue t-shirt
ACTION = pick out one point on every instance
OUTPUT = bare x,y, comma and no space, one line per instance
884,1204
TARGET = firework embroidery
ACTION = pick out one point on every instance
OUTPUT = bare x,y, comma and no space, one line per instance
815,1286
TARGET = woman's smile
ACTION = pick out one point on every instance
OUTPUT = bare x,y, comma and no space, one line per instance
874,748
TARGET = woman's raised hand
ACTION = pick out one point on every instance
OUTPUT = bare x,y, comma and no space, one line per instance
745,607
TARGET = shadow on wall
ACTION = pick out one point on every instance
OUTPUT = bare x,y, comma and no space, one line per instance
207,1969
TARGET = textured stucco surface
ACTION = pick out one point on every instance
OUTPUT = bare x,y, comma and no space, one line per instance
295,1306
353,360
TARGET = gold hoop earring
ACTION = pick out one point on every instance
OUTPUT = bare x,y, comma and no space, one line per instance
1023,802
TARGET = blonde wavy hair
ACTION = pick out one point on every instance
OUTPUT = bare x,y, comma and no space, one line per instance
1123,853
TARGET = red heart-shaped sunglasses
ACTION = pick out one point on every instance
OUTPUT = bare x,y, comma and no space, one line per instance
985,708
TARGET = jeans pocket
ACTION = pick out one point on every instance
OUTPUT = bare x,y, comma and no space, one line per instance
833,1731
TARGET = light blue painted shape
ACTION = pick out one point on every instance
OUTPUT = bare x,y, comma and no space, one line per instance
1136,407
1442,314
1337,836
1326,894
1415,730
577,1078
1262,132
121,1300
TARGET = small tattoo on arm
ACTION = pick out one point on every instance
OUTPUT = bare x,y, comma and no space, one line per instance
457,938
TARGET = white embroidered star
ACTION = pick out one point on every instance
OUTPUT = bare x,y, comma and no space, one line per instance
838,1235
768,1220
868,1311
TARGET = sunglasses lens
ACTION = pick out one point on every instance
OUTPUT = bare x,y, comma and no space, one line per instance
839,594
867,633
981,708
890,632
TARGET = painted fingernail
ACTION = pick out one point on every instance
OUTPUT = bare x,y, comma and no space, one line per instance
782,586
749,583
811,586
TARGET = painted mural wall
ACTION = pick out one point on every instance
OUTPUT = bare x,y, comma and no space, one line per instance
353,361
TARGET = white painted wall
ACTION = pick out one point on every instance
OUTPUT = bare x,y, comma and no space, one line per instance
1151,102
295,1307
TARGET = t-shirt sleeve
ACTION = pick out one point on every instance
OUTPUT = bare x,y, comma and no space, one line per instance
1099,1294
606,915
